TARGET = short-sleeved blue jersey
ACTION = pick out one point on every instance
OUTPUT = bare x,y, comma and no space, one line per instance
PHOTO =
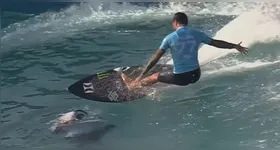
183,44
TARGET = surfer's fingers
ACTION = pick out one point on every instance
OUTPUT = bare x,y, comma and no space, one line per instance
244,49
243,52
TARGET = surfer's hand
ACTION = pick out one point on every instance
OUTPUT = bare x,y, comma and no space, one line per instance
241,49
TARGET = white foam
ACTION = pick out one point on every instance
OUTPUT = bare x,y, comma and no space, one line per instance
95,14
67,117
242,66
54,25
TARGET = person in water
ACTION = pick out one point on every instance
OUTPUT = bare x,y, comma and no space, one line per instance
68,118
183,44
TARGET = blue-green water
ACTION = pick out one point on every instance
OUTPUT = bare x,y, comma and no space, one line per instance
235,105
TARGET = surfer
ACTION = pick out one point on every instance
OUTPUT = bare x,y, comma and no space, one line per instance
183,44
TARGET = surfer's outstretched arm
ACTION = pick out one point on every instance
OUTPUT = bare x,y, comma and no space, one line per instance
227,45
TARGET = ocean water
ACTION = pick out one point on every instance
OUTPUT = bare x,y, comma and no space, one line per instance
235,105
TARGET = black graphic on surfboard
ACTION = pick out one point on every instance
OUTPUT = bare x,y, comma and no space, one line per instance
108,86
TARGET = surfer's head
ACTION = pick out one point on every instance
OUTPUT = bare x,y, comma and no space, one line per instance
80,114
179,19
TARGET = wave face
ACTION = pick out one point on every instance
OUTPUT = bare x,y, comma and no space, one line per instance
235,105
86,16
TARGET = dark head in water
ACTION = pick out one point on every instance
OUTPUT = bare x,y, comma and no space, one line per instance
80,114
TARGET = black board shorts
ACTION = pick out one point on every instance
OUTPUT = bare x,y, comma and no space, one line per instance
180,79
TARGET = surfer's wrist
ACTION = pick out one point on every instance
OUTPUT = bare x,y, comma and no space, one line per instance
234,46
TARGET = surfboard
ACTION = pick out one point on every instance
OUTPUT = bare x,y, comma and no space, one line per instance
108,86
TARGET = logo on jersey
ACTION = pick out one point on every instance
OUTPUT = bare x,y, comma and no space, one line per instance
88,88
102,75
185,42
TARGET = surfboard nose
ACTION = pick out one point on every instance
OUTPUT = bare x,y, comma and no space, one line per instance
76,89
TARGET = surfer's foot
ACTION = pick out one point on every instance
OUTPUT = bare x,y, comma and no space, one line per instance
126,80
130,85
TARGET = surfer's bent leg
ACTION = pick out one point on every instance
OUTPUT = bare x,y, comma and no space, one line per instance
181,79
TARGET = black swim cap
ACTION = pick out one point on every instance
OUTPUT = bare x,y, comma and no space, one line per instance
181,18
80,114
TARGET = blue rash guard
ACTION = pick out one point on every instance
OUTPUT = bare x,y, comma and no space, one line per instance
183,44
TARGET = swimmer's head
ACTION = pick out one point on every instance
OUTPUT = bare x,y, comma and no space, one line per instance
80,114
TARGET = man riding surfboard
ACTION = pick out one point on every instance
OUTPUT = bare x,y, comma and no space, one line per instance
183,44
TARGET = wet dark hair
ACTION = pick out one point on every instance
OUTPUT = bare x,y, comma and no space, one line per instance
80,114
181,18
